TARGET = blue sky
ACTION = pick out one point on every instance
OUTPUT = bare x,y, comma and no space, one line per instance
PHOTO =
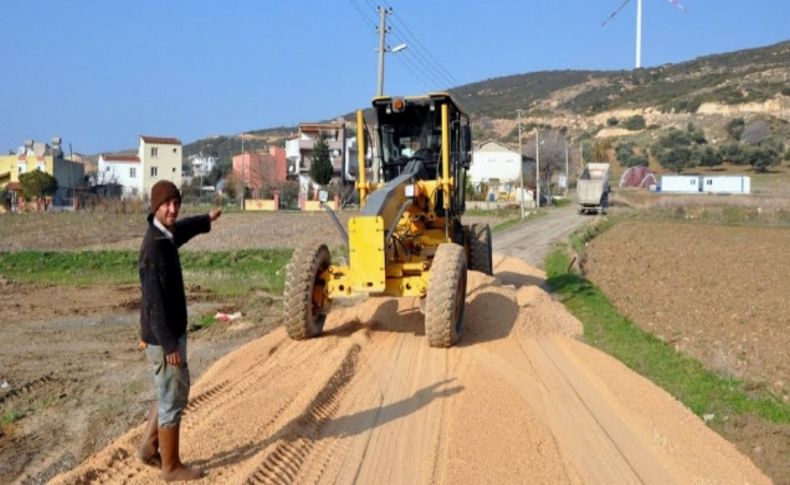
100,72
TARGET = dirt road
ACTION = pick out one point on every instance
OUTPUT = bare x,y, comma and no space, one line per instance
532,240
520,400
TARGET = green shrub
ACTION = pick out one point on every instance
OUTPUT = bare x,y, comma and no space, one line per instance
634,123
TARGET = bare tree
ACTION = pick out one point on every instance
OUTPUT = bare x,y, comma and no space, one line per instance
553,143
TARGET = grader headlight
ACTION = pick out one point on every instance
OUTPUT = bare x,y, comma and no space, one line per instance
411,191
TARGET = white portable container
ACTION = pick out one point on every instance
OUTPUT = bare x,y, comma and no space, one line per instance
726,184
686,184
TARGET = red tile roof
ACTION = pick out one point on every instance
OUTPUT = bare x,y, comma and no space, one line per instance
121,158
161,140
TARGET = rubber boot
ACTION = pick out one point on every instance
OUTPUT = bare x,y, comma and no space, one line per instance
172,468
149,450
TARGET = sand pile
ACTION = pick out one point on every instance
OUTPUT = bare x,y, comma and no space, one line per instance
518,400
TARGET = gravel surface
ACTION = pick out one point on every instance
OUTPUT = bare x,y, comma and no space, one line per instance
532,240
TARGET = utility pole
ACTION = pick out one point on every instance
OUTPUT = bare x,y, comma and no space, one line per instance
567,183
537,168
243,183
520,166
383,29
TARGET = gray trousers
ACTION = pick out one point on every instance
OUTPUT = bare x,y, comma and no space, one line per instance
172,383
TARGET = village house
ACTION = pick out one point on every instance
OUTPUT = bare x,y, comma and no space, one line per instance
256,168
497,166
157,159
123,170
160,159
48,158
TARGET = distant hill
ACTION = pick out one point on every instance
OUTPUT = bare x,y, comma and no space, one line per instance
582,101
751,75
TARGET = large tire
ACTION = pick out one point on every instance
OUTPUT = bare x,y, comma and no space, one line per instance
444,305
304,303
480,257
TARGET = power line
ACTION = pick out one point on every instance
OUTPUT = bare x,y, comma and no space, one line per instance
439,76
426,66
425,85
432,59
415,62
426,55
361,13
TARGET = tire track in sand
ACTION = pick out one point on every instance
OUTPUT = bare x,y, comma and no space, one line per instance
369,402
283,464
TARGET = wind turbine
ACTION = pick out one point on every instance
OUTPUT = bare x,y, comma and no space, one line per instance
638,24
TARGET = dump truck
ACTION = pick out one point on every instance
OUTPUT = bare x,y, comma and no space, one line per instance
408,239
592,189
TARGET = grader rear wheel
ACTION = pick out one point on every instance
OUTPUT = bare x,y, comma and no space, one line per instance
480,258
304,303
444,305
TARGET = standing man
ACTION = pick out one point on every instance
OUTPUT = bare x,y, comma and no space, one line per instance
163,326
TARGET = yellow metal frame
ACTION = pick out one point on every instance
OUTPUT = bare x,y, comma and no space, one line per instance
372,267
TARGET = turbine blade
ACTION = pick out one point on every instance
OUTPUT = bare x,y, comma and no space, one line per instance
612,15
677,4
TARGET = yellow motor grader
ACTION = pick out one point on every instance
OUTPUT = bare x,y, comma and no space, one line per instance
408,239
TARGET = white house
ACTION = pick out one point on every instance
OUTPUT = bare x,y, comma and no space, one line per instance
202,165
493,161
157,159
299,150
124,170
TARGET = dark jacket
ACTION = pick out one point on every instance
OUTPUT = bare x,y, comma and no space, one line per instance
163,308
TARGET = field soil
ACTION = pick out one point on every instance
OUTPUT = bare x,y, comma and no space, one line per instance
717,293
71,376
234,231
520,399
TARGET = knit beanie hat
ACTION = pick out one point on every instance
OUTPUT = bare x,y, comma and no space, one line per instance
163,191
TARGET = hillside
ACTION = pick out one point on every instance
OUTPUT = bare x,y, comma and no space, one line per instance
752,75
708,91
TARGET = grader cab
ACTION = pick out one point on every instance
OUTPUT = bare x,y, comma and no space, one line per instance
408,239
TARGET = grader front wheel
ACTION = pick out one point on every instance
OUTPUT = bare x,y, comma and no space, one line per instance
480,257
304,303
444,305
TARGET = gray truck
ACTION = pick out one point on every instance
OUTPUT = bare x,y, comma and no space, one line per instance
592,189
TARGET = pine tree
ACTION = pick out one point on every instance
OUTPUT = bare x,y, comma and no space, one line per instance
321,165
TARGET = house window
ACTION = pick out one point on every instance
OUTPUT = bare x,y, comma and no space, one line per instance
154,172
132,172
42,166
107,168
154,151
22,167
174,169
174,150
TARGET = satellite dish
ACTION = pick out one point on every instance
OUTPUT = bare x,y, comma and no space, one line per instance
39,148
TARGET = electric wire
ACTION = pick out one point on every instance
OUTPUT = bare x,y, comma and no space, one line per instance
422,52
430,69
361,13
417,72
429,58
